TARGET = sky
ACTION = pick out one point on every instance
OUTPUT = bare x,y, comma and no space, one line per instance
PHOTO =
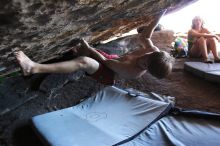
181,20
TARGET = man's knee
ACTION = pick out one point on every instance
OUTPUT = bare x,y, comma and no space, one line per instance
88,64
83,61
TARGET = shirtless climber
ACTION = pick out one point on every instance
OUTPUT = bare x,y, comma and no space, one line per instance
129,66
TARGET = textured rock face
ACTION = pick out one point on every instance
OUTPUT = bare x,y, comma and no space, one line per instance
44,29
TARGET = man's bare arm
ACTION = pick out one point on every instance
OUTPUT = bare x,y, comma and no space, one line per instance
145,35
148,30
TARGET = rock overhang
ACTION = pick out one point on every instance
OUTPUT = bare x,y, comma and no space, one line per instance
44,29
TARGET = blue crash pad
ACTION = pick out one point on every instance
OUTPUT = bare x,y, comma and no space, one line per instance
110,117
197,129
210,72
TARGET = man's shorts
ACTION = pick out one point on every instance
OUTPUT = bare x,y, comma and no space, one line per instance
108,56
104,75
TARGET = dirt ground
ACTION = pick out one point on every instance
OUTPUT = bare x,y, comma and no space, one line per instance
190,91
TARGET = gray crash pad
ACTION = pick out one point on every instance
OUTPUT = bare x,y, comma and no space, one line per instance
210,72
111,117
181,130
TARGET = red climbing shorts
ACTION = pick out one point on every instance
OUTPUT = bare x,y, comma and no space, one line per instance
113,56
104,75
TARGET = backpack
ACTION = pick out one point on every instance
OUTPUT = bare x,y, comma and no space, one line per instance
180,47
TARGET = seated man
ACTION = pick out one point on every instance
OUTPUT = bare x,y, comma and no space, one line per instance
130,66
